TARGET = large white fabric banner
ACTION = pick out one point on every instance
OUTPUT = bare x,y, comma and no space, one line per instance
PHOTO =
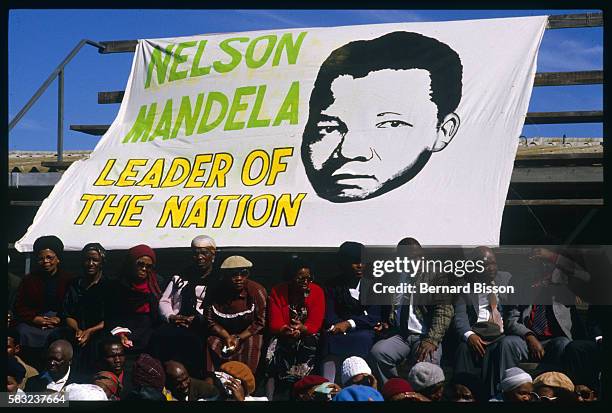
307,137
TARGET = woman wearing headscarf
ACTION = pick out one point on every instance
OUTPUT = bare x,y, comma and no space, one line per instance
84,306
297,308
181,336
135,310
235,314
41,293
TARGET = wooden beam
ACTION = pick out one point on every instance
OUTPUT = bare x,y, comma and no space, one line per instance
559,159
557,174
118,46
62,166
26,203
553,202
110,97
549,156
582,116
570,21
533,118
588,77
561,21
97,130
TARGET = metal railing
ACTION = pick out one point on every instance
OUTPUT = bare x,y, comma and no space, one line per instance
59,74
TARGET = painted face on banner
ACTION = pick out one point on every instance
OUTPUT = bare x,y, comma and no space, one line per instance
376,135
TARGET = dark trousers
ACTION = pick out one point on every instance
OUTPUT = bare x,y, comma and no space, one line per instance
488,368
185,345
582,362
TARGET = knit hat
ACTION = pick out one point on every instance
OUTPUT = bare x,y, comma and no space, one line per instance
235,261
76,391
308,382
240,371
49,242
512,378
425,374
395,386
141,251
15,369
203,241
358,393
554,379
148,371
353,366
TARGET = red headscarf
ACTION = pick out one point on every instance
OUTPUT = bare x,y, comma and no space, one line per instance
150,284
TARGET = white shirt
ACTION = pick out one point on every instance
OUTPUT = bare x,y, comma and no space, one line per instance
484,313
414,325
57,386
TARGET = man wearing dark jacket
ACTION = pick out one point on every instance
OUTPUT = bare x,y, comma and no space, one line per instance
479,324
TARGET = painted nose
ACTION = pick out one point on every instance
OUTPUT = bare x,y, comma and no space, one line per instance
355,147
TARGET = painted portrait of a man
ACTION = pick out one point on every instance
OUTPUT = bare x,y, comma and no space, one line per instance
378,111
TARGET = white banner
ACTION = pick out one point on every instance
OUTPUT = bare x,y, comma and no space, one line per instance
307,137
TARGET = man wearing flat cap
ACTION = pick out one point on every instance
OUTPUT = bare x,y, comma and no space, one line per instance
235,315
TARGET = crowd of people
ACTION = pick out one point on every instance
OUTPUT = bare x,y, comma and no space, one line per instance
210,332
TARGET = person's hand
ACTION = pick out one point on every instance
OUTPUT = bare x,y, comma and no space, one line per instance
341,328
425,350
232,343
40,321
235,386
188,320
126,342
286,331
477,344
83,338
298,325
535,347
53,321
175,318
380,327
43,322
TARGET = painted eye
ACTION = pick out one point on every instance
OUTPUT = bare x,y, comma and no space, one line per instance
393,124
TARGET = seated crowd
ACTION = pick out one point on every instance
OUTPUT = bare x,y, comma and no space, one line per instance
215,334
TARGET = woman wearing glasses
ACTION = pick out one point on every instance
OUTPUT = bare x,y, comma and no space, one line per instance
40,295
181,336
235,315
135,311
297,309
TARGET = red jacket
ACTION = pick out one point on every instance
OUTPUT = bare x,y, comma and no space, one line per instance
30,300
279,308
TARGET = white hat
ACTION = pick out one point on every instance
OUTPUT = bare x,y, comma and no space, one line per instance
353,366
512,378
84,392
424,375
203,241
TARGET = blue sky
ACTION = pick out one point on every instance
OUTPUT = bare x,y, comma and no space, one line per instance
39,39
